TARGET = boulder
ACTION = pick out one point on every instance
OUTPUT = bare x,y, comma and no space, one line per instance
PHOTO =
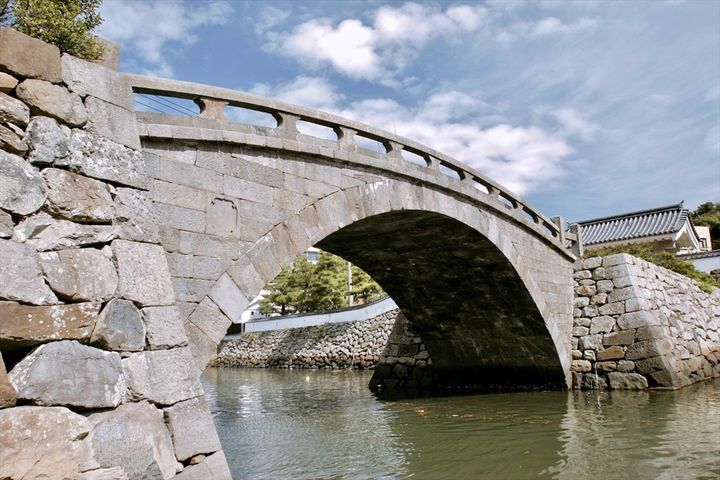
11,140
113,473
7,391
143,273
6,225
214,467
47,141
80,274
133,437
44,232
192,428
119,327
164,327
41,442
627,381
26,326
164,377
13,110
29,57
22,188
69,374
7,82
20,276
55,101
78,198
135,216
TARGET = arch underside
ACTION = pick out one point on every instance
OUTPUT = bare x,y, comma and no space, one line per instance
461,296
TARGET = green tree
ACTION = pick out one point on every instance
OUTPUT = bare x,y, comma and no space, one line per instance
67,24
289,289
364,288
328,285
708,214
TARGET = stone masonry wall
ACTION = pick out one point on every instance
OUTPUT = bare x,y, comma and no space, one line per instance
96,378
345,345
637,325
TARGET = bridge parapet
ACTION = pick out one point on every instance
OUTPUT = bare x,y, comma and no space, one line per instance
395,154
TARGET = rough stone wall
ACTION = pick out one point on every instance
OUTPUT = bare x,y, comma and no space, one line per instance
357,345
637,325
101,383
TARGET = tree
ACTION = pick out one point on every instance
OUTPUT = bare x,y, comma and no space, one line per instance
67,24
708,214
364,288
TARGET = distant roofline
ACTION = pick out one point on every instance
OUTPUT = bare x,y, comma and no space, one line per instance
678,206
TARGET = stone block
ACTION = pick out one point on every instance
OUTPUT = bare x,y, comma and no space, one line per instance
113,473
100,158
6,225
113,122
586,290
8,395
625,366
78,275
614,352
164,377
604,286
623,294
11,139
599,299
22,188
135,216
55,101
649,365
652,332
26,326
617,259
13,110
592,263
581,366
202,347
180,173
143,275
191,289
119,327
591,342
135,438
627,381
178,195
247,190
625,337
69,374
7,82
648,348
164,327
47,141
41,442
229,298
602,324
79,198
580,331
640,319
221,218
89,78
192,428
43,232
20,276
615,308
211,320
599,274
213,467
29,57
181,218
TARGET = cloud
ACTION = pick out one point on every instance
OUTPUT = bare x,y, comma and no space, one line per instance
549,26
520,158
574,124
147,28
378,51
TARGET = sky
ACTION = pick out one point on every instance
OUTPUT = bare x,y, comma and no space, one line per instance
585,109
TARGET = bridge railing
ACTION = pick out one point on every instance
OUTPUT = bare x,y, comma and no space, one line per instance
349,136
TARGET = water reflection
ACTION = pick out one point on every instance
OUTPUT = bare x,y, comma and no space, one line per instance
299,424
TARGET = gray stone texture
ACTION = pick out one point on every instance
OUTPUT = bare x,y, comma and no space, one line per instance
22,189
7,82
119,327
113,122
164,377
213,467
25,56
46,140
143,273
20,276
135,216
13,110
164,327
77,275
55,101
133,437
89,78
67,373
11,139
6,225
25,325
8,396
627,381
78,198
43,233
228,296
192,429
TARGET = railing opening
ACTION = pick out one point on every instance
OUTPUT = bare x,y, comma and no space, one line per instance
145,102
450,171
249,117
315,130
530,215
369,144
414,158
480,186
507,201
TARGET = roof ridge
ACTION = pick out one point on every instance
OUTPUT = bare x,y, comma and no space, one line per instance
677,206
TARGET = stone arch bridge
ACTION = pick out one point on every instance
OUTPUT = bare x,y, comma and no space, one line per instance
482,278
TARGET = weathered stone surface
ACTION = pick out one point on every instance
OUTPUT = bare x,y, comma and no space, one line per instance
13,110
44,98
192,428
591,342
143,273
640,319
113,122
41,443
20,276
627,381
624,337
202,347
6,225
164,328
11,141
69,374
25,326
104,159
44,233
7,82
615,352
602,324
7,390
25,56
133,437
648,348
114,473
47,141
80,274
581,366
88,78
228,296
162,376
79,198
213,467
208,318
22,189
135,216
119,327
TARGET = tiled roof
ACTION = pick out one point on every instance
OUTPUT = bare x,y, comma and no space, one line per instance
695,256
645,223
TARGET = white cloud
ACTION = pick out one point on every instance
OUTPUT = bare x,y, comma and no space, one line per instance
313,92
546,27
574,124
269,17
147,27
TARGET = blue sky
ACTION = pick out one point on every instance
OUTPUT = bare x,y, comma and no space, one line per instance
584,108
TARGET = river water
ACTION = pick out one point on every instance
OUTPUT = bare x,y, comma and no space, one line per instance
302,424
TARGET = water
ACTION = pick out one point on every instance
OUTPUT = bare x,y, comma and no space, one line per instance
301,424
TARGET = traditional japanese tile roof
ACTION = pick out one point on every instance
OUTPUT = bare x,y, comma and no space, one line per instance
695,256
645,223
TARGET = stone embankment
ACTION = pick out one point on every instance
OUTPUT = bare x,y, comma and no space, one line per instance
637,325
101,381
